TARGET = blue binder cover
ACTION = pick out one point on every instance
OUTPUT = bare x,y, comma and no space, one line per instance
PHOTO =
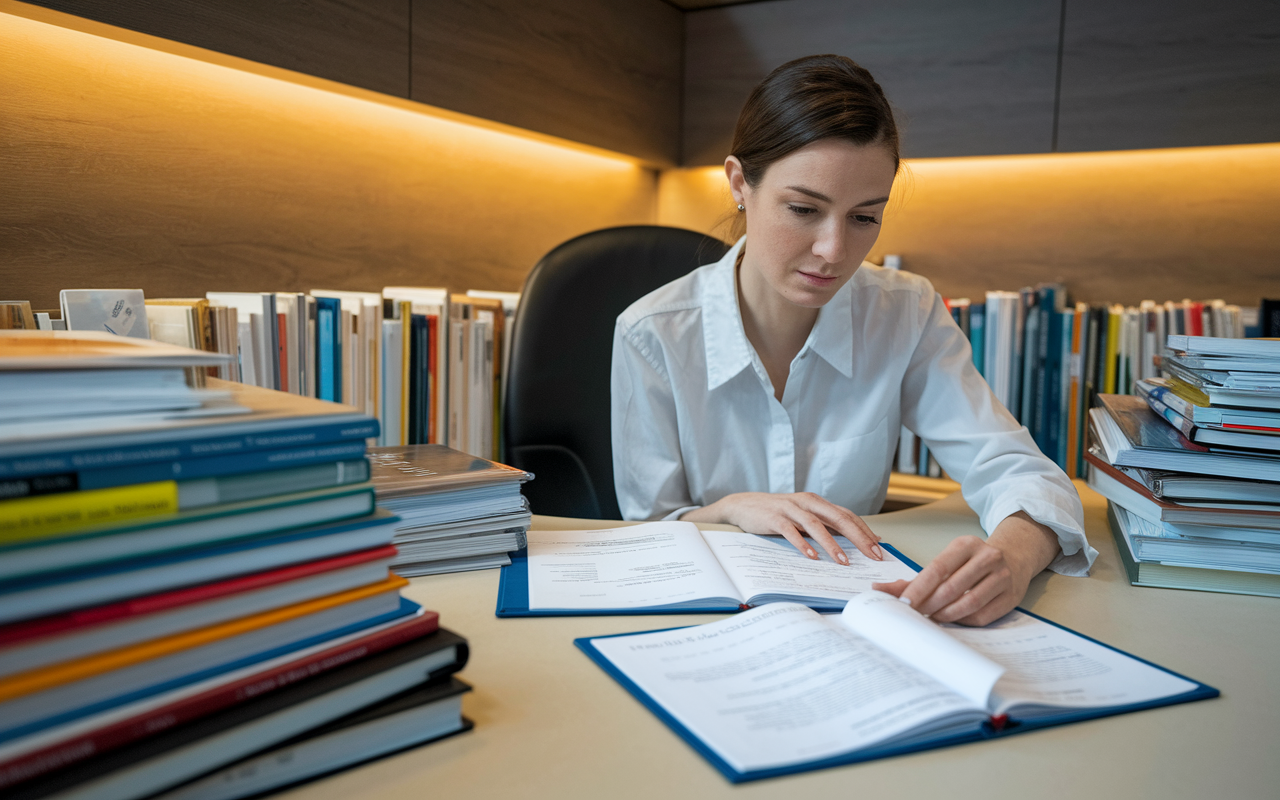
513,596
982,732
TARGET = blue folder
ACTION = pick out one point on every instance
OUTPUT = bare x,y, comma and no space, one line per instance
982,732
513,596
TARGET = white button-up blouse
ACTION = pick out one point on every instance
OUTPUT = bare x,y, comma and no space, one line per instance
695,417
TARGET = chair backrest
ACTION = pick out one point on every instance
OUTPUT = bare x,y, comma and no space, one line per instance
556,409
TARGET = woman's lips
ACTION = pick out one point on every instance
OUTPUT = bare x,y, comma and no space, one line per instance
814,279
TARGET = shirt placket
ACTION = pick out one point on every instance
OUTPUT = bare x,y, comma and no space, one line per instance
781,439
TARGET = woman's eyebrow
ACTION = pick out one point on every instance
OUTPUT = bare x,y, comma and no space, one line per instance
825,199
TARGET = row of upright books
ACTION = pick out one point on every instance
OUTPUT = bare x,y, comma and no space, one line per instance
1046,358
198,589
1190,467
428,364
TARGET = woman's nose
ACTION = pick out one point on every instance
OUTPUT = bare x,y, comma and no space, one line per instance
830,246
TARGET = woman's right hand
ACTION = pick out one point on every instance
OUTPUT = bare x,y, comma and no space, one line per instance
792,516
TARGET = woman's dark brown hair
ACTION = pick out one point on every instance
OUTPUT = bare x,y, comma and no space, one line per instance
803,101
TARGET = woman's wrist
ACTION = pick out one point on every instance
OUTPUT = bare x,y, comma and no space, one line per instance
1028,546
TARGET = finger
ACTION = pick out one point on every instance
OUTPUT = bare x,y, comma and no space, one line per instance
792,534
973,601
997,608
845,523
896,588
982,562
931,577
817,531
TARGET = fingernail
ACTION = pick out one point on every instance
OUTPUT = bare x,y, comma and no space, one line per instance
875,548
810,553
904,599
842,558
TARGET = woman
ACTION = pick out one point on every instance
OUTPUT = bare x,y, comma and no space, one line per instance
766,390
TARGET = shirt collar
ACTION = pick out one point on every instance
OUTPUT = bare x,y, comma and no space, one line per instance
832,335
727,350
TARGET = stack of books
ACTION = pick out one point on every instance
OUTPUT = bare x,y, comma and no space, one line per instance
1191,467
192,573
457,512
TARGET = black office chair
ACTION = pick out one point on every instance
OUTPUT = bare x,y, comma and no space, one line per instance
556,410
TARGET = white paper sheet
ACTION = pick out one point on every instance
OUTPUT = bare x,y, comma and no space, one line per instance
780,685
1047,665
655,564
771,564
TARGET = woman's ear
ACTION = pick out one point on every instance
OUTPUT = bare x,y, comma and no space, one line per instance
737,180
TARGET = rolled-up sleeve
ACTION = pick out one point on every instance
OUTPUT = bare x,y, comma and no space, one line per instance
648,470
979,443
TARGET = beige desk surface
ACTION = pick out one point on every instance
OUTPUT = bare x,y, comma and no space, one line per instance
549,723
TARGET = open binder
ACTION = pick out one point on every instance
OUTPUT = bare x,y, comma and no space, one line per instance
513,596
974,730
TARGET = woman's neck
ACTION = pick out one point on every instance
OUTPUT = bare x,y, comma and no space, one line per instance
776,327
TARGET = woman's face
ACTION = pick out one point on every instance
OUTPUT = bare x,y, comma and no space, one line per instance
814,216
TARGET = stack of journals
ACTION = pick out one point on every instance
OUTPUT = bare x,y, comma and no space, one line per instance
210,565
457,512
1045,358
1191,467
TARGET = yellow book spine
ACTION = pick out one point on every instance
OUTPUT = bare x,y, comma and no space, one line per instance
1189,393
1113,343
47,515
38,680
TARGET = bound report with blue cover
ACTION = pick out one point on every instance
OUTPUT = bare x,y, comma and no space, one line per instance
675,568
782,689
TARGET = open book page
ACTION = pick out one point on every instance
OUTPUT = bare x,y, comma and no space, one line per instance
655,564
1048,666
781,685
912,637
766,568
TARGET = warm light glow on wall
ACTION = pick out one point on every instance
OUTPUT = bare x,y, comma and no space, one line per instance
139,166
1116,226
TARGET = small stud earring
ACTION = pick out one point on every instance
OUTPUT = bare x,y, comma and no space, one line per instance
741,208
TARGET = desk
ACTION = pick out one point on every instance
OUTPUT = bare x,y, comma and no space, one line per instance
550,724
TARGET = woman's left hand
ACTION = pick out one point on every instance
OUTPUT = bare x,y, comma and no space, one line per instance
975,581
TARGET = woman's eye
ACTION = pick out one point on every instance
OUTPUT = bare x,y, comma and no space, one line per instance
801,211
864,219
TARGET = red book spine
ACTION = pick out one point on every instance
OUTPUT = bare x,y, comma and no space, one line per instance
38,762
283,327
1195,321
83,618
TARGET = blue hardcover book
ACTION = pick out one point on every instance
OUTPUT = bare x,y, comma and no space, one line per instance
58,705
275,421
49,593
978,337
781,689
217,466
326,387
1030,368
1051,400
673,568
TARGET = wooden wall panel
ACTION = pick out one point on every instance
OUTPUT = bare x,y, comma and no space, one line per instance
1119,227
972,78
363,43
124,166
1169,73
603,72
